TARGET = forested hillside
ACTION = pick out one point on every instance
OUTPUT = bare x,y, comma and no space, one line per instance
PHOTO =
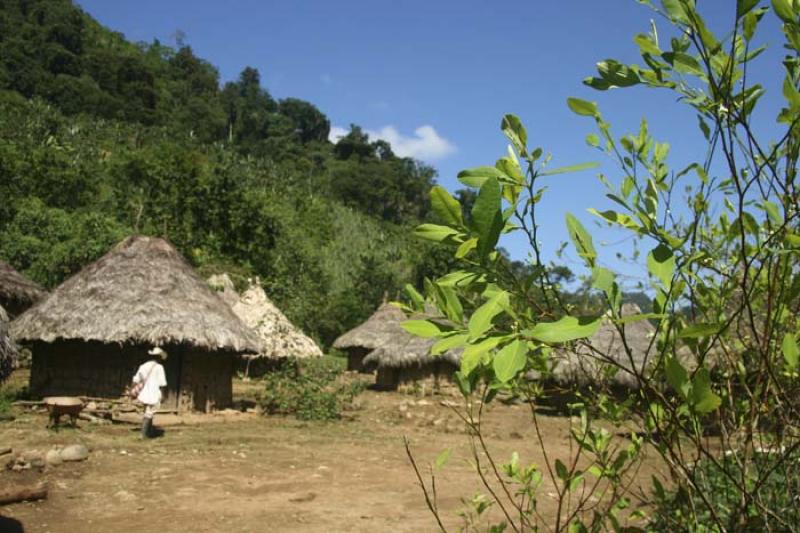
101,138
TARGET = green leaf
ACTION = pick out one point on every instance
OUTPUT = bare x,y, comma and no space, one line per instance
421,328
745,6
583,107
661,264
773,213
677,376
510,360
675,10
481,319
581,239
487,217
450,342
647,45
442,459
416,298
570,168
704,127
614,217
457,278
453,308
593,140
466,247
629,319
446,207
686,64
790,351
703,399
565,329
435,232
561,470
696,331
475,177
602,278
515,131
784,10
474,354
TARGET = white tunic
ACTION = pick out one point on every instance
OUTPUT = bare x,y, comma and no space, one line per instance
153,372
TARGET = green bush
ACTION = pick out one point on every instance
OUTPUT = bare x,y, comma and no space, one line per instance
309,389
776,495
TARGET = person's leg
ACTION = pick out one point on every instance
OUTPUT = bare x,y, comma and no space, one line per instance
147,421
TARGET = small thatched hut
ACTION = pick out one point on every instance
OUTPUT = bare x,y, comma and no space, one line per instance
582,366
90,334
404,360
382,326
8,350
17,293
278,337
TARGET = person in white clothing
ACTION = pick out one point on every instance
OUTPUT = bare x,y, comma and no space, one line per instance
152,374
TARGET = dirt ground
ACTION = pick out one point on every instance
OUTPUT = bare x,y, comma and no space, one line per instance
241,472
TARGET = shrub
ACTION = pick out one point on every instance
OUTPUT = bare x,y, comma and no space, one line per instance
309,389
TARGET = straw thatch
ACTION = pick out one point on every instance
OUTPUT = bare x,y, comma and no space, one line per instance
8,350
223,284
279,337
142,291
404,350
381,327
582,366
17,293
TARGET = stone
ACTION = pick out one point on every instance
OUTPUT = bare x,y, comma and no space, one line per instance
74,452
53,457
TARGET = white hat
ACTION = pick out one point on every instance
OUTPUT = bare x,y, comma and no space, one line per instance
156,350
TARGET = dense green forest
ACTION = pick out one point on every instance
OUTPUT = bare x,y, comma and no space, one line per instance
101,138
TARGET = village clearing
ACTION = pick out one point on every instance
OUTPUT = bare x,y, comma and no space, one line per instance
236,471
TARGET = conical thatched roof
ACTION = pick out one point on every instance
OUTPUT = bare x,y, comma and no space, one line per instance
278,336
141,291
582,365
17,291
8,350
405,350
381,327
399,349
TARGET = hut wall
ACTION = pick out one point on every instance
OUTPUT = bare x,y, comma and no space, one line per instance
432,377
74,368
206,380
196,379
355,359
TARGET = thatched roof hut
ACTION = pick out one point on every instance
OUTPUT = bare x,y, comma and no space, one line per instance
278,337
17,293
404,359
8,350
381,327
141,293
582,366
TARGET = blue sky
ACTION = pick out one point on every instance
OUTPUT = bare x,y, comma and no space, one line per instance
436,76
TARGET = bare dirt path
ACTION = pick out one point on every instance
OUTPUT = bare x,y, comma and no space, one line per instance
245,472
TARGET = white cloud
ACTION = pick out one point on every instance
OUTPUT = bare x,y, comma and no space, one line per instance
337,133
425,144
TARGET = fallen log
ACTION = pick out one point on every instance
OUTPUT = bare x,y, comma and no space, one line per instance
27,494
28,403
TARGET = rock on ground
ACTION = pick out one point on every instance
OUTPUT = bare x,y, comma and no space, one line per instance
74,452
